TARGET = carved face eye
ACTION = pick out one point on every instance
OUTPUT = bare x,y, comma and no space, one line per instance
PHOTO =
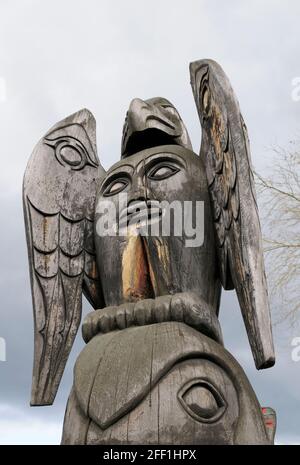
172,116
169,110
115,186
202,401
162,171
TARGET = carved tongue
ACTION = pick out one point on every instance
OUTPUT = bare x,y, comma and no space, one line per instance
135,270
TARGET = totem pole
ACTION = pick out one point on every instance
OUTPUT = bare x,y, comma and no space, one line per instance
154,369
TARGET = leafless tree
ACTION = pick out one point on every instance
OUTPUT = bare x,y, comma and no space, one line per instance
279,198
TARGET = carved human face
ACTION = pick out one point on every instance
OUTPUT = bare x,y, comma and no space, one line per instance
163,173
148,178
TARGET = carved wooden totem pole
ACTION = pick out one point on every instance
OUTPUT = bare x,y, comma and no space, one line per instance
154,369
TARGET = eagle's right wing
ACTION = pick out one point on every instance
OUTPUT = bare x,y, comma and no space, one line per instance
59,193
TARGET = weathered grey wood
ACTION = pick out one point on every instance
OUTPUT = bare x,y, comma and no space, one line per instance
76,424
175,267
187,307
150,123
225,152
59,195
154,370
138,395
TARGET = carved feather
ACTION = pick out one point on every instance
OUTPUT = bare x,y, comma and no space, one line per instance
225,150
59,192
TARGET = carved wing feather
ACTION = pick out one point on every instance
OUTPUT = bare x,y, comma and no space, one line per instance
59,193
225,149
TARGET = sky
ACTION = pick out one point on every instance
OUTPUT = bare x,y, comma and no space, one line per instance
60,56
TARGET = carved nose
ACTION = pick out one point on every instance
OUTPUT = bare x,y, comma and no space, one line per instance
139,189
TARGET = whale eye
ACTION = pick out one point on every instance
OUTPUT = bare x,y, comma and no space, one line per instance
115,186
202,401
162,171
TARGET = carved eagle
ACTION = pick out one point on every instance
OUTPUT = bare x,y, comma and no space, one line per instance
59,193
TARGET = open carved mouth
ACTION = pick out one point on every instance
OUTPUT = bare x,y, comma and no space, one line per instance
139,215
148,138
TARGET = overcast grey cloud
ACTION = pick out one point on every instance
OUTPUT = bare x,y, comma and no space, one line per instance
57,57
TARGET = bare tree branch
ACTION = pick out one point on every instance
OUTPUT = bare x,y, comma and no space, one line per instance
279,199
